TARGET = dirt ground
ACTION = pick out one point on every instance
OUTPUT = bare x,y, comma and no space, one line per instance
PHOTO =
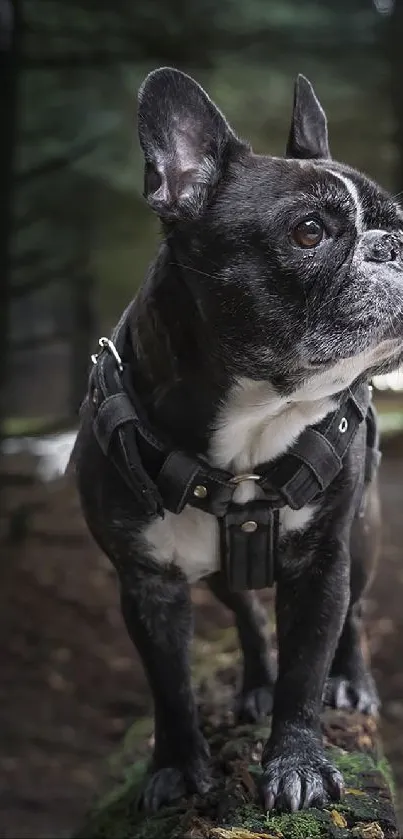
70,681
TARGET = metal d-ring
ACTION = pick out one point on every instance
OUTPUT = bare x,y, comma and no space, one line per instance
238,479
107,344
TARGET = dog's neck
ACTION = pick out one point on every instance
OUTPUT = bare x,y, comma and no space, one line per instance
189,393
179,370
256,424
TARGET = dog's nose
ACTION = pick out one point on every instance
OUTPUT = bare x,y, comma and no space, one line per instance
379,246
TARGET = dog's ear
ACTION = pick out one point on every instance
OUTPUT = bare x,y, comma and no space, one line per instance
308,132
186,142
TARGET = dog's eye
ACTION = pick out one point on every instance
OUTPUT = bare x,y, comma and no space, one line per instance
308,233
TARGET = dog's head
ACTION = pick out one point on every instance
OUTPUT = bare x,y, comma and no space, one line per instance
296,262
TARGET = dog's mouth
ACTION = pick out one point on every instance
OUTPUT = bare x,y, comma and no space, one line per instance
385,353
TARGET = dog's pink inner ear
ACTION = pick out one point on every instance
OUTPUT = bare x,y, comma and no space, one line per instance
308,138
185,140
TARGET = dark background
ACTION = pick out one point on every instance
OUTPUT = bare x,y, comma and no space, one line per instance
76,238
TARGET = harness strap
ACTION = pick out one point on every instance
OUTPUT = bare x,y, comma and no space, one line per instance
293,479
114,411
248,540
373,455
317,456
161,477
114,424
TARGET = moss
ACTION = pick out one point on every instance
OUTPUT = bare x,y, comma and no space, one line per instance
130,783
299,825
358,808
135,738
231,809
250,817
352,764
119,818
116,816
308,824
384,768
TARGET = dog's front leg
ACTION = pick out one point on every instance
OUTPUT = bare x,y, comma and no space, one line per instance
158,615
310,607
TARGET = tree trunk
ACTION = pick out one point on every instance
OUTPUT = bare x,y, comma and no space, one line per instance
232,810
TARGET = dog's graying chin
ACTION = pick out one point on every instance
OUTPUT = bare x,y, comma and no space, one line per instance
279,284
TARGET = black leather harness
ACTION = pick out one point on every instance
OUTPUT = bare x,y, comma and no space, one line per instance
164,478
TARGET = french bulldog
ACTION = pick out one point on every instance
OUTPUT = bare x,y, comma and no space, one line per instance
278,285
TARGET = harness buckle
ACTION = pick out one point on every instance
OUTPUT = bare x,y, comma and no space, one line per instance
238,479
107,344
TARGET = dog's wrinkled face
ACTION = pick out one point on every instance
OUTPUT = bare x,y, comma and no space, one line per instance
296,261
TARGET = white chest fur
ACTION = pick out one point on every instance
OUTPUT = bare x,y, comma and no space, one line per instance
254,426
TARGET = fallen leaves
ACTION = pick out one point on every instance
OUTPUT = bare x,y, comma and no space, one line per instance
353,791
338,819
365,830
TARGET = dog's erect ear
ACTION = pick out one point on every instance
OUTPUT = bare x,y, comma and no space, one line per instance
185,140
308,132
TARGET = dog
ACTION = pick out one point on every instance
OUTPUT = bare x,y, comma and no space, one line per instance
275,296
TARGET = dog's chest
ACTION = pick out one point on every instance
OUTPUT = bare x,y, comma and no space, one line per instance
254,426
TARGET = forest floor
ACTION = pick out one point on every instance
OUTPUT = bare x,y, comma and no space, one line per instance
71,683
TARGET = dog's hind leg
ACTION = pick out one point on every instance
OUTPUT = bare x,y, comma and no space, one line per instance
255,699
351,684
158,615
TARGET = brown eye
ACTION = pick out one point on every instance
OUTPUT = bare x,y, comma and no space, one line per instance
308,233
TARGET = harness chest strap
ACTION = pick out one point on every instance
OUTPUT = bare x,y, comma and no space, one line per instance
164,478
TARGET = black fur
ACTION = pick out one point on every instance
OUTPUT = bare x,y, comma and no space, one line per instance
232,295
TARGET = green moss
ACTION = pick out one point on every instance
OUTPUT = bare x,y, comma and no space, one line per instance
358,809
352,764
136,736
299,825
250,817
124,826
312,824
117,815
359,804
384,768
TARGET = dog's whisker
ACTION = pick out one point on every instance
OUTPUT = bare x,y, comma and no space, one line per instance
195,270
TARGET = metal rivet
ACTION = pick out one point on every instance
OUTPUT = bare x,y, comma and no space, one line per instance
200,491
249,526
95,396
343,426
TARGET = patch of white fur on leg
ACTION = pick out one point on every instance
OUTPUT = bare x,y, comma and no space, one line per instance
292,520
190,540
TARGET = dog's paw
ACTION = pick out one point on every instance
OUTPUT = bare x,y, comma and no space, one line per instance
164,786
298,780
170,783
255,704
359,694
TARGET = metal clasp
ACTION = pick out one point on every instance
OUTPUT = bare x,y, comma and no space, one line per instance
107,344
238,479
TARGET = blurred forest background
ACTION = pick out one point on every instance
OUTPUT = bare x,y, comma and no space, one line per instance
76,238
